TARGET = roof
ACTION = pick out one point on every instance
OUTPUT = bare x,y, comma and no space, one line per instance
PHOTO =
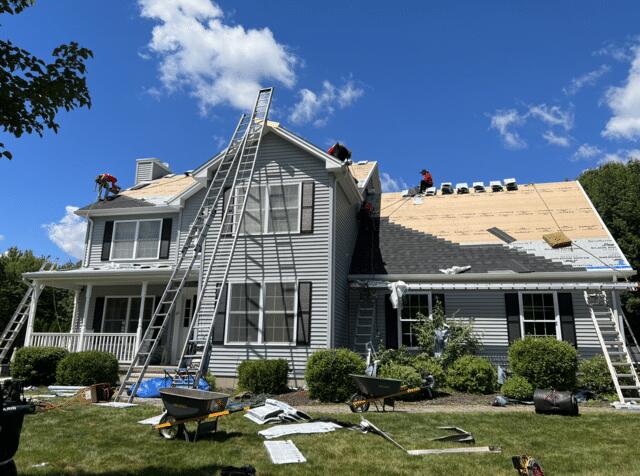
521,216
361,171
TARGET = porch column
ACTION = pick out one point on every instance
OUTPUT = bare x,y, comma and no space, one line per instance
143,295
37,289
617,316
76,310
85,317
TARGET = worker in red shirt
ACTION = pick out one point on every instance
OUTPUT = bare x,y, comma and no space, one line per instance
427,180
106,182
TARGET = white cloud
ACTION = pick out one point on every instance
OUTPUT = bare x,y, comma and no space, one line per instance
68,234
1,237
316,108
586,151
503,121
215,62
587,79
624,102
617,52
620,156
552,115
389,184
554,139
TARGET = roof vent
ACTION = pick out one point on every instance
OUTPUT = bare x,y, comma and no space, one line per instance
462,187
362,162
510,184
446,188
496,186
150,169
431,191
479,187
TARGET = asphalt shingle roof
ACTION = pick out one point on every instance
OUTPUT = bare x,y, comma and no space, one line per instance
119,201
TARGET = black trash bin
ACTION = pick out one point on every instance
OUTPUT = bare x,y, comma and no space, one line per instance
554,402
13,408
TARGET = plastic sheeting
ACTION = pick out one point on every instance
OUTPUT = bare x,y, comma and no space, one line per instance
299,429
398,289
150,388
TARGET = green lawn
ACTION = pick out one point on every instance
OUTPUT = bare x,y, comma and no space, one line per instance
85,440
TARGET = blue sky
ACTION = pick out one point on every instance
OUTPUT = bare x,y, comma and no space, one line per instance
470,90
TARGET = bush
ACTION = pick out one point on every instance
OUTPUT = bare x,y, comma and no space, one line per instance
595,376
517,388
37,365
263,376
472,375
397,356
87,368
406,374
327,374
211,380
426,365
545,362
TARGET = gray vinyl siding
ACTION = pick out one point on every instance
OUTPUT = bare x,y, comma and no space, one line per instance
95,247
345,234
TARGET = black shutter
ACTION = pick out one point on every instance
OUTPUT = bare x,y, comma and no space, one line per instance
98,312
308,203
165,238
391,323
438,298
106,240
304,313
567,321
221,317
512,307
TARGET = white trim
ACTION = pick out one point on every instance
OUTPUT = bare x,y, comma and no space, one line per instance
88,241
560,286
400,320
108,212
268,209
497,276
556,311
332,263
135,240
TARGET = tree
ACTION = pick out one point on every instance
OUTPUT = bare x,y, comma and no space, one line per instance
614,189
32,91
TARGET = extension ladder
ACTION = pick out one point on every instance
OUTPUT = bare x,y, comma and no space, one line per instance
614,348
365,324
191,251
19,318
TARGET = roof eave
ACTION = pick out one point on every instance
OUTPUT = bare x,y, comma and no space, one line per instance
473,277
101,212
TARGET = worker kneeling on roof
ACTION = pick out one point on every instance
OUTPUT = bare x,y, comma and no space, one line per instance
426,182
339,151
106,182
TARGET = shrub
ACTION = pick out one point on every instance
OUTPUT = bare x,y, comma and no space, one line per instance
37,365
87,368
263,376
397,356
426,365
594,375
211,380
327,374
406,374
545,362
472,374
518,388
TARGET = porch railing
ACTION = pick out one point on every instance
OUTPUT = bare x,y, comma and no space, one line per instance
123,346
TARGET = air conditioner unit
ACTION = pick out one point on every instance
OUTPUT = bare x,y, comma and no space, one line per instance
431,191
496,186
479,187
462,187
510,184
446,188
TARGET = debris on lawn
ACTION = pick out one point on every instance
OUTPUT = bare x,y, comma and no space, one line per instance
631,405
527,466
501,401
154,420
299,429
459,435
275,411
40,465
116,404
284,452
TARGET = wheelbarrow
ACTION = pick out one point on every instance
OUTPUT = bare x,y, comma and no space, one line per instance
383,390
13,408
189,405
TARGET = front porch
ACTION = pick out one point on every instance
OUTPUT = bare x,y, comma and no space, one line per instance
112,309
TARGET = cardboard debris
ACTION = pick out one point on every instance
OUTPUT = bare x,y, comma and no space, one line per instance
557,240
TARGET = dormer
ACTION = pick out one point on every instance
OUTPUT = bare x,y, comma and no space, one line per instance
149,169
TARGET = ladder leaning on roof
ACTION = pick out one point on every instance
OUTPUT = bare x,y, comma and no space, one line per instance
614,347
226,175
19,318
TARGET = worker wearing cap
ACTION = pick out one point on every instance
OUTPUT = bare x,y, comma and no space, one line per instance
426,182
106,182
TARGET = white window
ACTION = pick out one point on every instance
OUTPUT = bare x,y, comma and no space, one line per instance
539,314
261,313
121,314
254,211
412,304
284,209
136,239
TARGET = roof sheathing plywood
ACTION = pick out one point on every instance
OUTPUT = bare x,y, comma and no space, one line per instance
162,188
521,213
361,172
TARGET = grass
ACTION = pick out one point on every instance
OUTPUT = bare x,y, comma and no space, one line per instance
90,440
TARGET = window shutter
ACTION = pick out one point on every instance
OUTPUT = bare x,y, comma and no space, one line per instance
221,317
308,203
304,313
567,321
98,312
435,298
512,306
391,323
106,240
165,238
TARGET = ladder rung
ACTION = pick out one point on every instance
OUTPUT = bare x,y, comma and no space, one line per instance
629,387
624,375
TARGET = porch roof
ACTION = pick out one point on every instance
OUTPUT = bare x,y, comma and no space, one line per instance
487,286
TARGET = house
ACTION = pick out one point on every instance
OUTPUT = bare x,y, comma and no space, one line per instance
314,268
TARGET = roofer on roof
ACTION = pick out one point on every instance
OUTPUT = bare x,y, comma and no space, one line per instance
427,180
106,182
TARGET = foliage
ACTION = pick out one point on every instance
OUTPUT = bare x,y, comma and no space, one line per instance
426,365
472,374
87,368
33,91
37,365
397,356
263,376
406,374
211,380
327,374
545,362
518,388
55,306
593,374
462,337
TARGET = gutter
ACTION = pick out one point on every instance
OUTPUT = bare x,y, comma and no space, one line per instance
630,286
497,277
100,212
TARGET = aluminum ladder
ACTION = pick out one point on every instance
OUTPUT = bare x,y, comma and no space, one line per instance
197,345
19,318
365,324
614,347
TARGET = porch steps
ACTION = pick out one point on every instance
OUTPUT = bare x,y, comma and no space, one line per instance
606,321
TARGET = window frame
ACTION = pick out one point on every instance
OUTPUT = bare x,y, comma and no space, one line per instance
261,313
127,319
268,209
556,311
135,240
429,295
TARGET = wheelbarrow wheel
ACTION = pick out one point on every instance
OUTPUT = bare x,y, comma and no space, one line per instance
171,432
363,407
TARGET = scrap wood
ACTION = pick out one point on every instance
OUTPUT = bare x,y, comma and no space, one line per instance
444,451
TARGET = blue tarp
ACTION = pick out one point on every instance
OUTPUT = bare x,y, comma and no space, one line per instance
150,388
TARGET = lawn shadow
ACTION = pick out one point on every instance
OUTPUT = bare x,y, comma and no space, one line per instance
149,471
219,436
